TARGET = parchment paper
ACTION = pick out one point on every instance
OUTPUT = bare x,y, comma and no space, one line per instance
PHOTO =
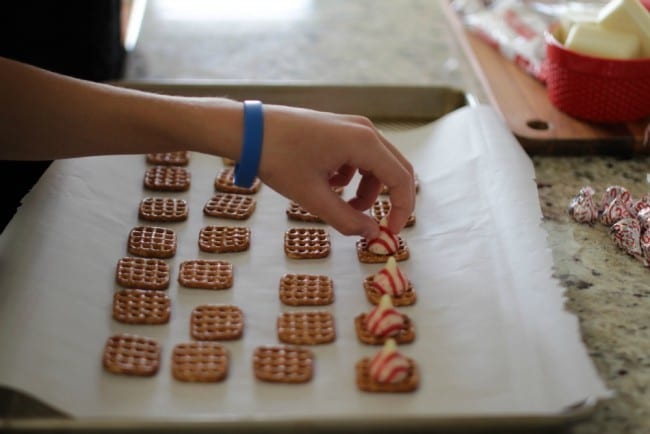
492,336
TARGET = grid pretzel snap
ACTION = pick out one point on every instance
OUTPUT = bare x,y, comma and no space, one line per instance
177,158
283,364
152,242
306,243
206,274
167,178
297,212
202,362
381,208
142,273
163,209
213,322
367,384
140,306
407,298
225,182
368,257
130,354
224,239
404,336
230,206
306,290
306,328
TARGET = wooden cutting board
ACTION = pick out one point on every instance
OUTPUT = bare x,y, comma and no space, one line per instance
537,124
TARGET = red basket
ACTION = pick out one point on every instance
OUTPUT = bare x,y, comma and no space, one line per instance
596,89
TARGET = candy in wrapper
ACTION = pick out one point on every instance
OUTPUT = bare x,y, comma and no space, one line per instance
644,243
643,216
641,204
626,234
582,208
615,192
613,212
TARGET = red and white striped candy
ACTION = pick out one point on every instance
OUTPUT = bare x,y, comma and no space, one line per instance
384,319
615,192
582,208
390,279
387,243
614,211
626,234
389,365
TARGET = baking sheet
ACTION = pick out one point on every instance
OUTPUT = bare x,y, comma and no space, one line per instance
492,340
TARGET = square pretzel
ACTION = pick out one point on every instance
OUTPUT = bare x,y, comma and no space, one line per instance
230,206
306,290
367,384
152,242
167,178
306,328
407,298
214,322
224,239
163,209
306,243
368,257
139,306
297,212
129,354
177,158
142,273
405,336
201,362
225,182
283,364
206,274
381,208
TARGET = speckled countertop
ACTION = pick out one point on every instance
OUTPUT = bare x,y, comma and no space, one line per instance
408,42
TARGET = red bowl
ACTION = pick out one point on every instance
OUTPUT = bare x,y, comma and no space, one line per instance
593,88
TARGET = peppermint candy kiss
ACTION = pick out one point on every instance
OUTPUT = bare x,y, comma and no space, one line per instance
384,319
387,243
389,365
390,279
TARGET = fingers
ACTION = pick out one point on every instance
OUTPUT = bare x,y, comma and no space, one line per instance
391,168
343,217
367,191
342,176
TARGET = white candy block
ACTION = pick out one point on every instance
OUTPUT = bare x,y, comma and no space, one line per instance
628,16
591,39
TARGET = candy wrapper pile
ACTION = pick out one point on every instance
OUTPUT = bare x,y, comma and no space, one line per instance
628,219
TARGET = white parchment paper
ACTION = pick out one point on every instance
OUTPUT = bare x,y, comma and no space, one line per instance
492,336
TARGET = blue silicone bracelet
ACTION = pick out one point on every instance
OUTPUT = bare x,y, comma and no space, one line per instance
249,162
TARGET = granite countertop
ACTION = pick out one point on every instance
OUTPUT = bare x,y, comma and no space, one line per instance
408,42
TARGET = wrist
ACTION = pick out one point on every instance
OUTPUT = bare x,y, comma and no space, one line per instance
252,139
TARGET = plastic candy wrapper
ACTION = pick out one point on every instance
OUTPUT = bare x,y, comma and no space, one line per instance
628,220
582,207
516,27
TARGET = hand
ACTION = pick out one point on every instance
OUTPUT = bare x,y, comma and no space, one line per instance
306,153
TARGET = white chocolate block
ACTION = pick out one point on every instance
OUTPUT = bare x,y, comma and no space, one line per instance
628,16
591,39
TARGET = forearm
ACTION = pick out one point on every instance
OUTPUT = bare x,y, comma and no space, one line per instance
49,116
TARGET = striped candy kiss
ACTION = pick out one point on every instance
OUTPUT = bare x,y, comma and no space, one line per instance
390,279
389,366
384,320
387,243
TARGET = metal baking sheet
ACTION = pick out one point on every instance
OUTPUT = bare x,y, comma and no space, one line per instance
395,107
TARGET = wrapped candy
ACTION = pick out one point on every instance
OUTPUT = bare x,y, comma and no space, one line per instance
582,208
626,234
614,211
615,192
641,204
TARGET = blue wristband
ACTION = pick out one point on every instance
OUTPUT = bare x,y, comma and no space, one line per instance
249,162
